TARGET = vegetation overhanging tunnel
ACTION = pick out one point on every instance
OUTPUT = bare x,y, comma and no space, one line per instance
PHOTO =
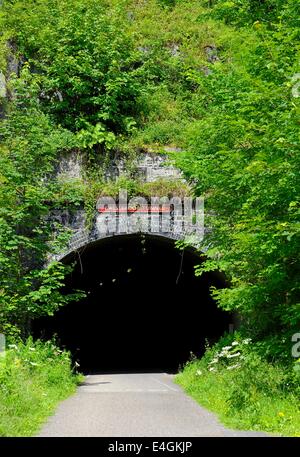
144,308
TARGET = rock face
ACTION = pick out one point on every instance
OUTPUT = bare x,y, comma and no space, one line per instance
172,218
70,166
149,167
211,52
2,85
3,94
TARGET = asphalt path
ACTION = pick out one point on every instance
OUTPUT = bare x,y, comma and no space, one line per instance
134,405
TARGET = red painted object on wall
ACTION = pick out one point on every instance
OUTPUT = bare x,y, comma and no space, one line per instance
137,209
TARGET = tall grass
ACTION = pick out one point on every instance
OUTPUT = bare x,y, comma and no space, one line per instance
34,377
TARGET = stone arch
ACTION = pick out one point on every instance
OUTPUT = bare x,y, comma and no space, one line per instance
112,227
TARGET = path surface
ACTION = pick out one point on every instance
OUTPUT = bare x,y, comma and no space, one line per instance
133,405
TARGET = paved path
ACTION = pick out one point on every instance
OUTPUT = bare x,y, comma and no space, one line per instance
134,405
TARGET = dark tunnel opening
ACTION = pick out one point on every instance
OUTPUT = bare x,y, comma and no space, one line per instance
145,309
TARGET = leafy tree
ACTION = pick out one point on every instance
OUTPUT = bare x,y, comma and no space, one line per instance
243,155
29,146
85,60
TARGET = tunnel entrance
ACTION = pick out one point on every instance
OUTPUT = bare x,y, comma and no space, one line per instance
145,309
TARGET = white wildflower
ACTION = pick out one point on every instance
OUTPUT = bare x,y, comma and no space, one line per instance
198,372
212,369
214,361
31,349
235,343
226,348
13,346
33,364
247,341
233,355
224,354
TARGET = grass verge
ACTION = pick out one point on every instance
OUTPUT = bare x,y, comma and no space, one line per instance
244,390
34,377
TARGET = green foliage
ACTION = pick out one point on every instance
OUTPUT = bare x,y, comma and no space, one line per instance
159,188
165,188
243,157
34,377
66,192
242,12
235,381
30,143
36,294
85,62
92,135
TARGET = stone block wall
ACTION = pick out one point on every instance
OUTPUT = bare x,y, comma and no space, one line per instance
150,167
